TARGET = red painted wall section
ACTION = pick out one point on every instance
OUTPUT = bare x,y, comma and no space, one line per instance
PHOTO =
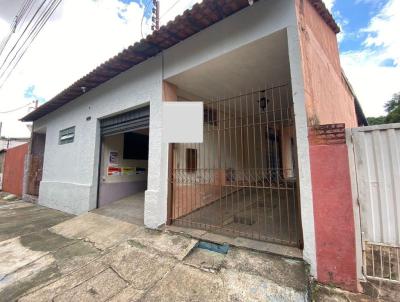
333,214
14,169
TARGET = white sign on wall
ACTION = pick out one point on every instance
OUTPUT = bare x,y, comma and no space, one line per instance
113,158
183,122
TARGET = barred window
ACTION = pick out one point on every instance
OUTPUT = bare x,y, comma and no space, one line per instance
191,160
210,116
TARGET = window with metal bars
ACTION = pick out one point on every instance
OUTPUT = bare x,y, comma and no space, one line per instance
210,116
191,160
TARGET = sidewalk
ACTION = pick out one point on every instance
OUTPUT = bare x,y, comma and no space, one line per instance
93,257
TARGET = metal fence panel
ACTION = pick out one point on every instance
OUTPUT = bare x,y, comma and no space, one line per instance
377,159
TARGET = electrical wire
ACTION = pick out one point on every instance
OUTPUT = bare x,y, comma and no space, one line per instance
21,13
16,109
169,9
45,16
20,37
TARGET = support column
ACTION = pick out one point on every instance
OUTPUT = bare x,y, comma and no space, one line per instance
333,206
155,210
303,156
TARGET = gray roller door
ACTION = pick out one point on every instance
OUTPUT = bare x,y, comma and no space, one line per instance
128,121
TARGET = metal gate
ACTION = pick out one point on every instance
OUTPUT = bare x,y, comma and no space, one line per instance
241,181
128,121
376,152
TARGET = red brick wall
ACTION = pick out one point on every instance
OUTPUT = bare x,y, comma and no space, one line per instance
14,169
333,208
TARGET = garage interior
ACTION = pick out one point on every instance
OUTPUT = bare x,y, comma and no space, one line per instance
124,165
241,181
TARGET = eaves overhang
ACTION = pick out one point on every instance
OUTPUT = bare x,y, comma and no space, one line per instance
199,17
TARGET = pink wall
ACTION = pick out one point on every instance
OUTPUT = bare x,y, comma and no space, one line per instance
14,169
328,99
333,214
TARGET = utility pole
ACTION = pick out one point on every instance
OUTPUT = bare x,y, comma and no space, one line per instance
155,17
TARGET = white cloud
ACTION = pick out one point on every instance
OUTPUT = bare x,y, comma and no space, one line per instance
329,4
80,36
373,81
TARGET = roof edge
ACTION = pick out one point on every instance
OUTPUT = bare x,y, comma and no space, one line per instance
361,119
192,21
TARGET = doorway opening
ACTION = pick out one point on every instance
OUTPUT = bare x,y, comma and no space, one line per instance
124,165
241,180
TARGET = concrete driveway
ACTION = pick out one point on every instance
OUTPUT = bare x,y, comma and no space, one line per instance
46,255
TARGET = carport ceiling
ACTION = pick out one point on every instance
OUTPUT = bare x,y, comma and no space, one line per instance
252,66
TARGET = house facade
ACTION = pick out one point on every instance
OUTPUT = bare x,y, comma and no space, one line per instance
268,75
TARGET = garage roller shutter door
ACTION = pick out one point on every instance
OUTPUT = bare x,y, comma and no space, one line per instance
128,121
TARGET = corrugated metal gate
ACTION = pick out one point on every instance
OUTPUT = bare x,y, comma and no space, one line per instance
377,166
14,169
128,121
241,180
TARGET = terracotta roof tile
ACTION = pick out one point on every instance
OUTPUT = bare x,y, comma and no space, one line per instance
199,17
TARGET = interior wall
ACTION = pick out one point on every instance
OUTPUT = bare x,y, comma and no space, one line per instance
119,185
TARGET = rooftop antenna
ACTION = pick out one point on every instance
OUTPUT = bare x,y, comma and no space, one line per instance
155,16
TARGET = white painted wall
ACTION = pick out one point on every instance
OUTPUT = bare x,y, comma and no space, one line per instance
303,154
248,25
70,171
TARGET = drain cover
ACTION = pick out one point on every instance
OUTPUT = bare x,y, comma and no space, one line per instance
214,247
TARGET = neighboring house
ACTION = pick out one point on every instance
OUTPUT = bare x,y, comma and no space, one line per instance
8,143
270,78
11,142
2,155
13,169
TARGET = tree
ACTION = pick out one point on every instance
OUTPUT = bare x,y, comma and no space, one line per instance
376,120
392,107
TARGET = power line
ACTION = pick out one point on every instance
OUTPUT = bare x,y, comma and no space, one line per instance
39,24
16,109
169,9
20,37
15,23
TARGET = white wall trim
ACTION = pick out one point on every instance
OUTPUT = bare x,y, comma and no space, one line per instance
303,155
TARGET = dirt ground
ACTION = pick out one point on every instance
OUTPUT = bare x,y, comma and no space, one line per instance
47,255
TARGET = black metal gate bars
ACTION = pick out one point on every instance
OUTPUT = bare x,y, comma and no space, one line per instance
241,181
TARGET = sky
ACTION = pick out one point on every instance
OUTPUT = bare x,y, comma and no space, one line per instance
82,34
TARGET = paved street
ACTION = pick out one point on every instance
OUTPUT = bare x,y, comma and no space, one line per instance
47,255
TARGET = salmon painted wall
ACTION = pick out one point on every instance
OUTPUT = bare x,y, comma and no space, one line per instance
328,99
14,169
